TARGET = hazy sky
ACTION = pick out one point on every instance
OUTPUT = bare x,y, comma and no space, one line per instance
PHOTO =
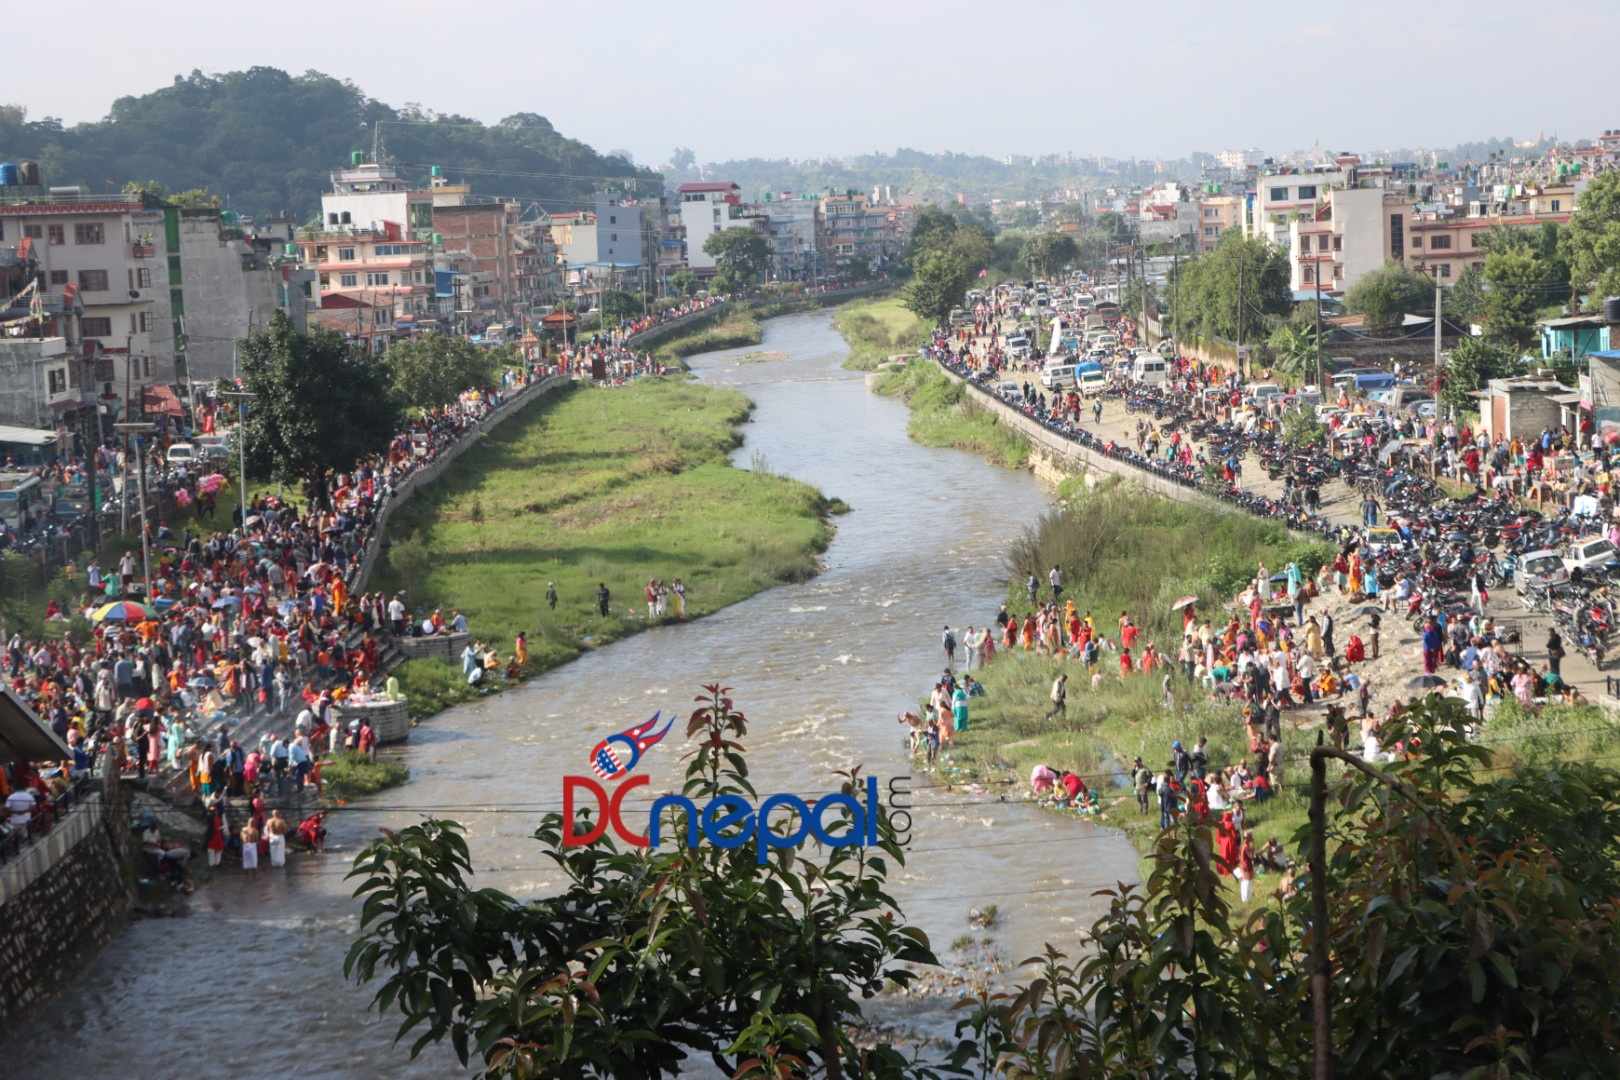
828,77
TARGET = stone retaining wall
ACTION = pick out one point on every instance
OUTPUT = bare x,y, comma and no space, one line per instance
439,646
62,901
1056,458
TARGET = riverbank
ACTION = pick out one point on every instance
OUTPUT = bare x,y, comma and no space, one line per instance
596,486
877,329
1124,550
943,414
737,328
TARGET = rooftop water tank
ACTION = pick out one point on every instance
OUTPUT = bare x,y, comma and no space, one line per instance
1611,309
436,171
10,175
357,157
291,249
30,173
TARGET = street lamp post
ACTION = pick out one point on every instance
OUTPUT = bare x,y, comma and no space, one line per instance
140,429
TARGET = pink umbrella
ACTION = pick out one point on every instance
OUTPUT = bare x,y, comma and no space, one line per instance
211,483
182,498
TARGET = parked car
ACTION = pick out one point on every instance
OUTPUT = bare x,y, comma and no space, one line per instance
1092,382
1592,554
182,455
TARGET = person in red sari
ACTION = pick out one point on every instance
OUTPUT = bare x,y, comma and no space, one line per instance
1227,844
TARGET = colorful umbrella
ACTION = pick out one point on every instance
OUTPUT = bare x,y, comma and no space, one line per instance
211,483
1185,601
122,611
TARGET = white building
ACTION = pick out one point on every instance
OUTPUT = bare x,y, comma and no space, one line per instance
1350,236
1282,198
707,207
109,253
232,285
369,196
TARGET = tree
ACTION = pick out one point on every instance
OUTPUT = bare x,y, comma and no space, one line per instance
431,370
741,256
618,304
1293,349
646,956
1207,289
1464,302
683,281
1517,282
1045,252
939,282
319,405
1473,363
682,160
1470,931
1591,242
932,231
1387,295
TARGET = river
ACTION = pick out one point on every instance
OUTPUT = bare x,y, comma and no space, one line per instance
251,983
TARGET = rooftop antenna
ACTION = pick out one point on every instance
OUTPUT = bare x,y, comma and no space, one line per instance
377,143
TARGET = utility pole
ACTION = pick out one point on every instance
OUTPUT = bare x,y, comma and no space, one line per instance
1318,276
241,397
1437,335
1242,259
140,430
129,417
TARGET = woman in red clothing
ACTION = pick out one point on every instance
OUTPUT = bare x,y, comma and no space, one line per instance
1227,846
1125,665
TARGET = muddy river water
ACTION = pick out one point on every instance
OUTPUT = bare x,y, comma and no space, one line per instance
250,985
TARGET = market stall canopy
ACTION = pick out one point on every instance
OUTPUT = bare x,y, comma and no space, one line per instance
23,736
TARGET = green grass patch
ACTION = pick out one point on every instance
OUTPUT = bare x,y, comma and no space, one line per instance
350,774
877,329
942,414
597,485
737,329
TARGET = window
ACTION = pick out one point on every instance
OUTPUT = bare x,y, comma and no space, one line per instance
1556,205
1307,191
1279,194
345,220
58,277
34,232
326,281
331,219
58,380
96,327
134,323
1477,266
1445,270
1209,211
345,254
1417,240
1210,230
613,219
56,234
1338,243
1309,275
144,322
93,280
90,233
613,238
1323,242
1439,243
349,281
140,277
377,279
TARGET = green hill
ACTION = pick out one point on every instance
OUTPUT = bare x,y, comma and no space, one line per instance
266,141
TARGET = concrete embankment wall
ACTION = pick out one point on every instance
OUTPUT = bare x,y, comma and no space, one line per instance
1055,458
62,900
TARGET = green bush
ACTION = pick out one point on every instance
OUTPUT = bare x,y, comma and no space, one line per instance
350,774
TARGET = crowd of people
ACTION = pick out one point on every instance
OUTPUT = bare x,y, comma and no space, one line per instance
243,625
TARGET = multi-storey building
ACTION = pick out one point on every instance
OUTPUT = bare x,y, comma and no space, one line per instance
380,265
485,233
109,256
368,195
1283,198
1354,231
1216,215
707,207
851,228
231,283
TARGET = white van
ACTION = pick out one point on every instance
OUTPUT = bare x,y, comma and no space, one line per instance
1092,382
1058,376
1150,370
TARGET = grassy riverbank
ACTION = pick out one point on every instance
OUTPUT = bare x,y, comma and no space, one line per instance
877,329
1122,549
942,414
597,485
738,328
